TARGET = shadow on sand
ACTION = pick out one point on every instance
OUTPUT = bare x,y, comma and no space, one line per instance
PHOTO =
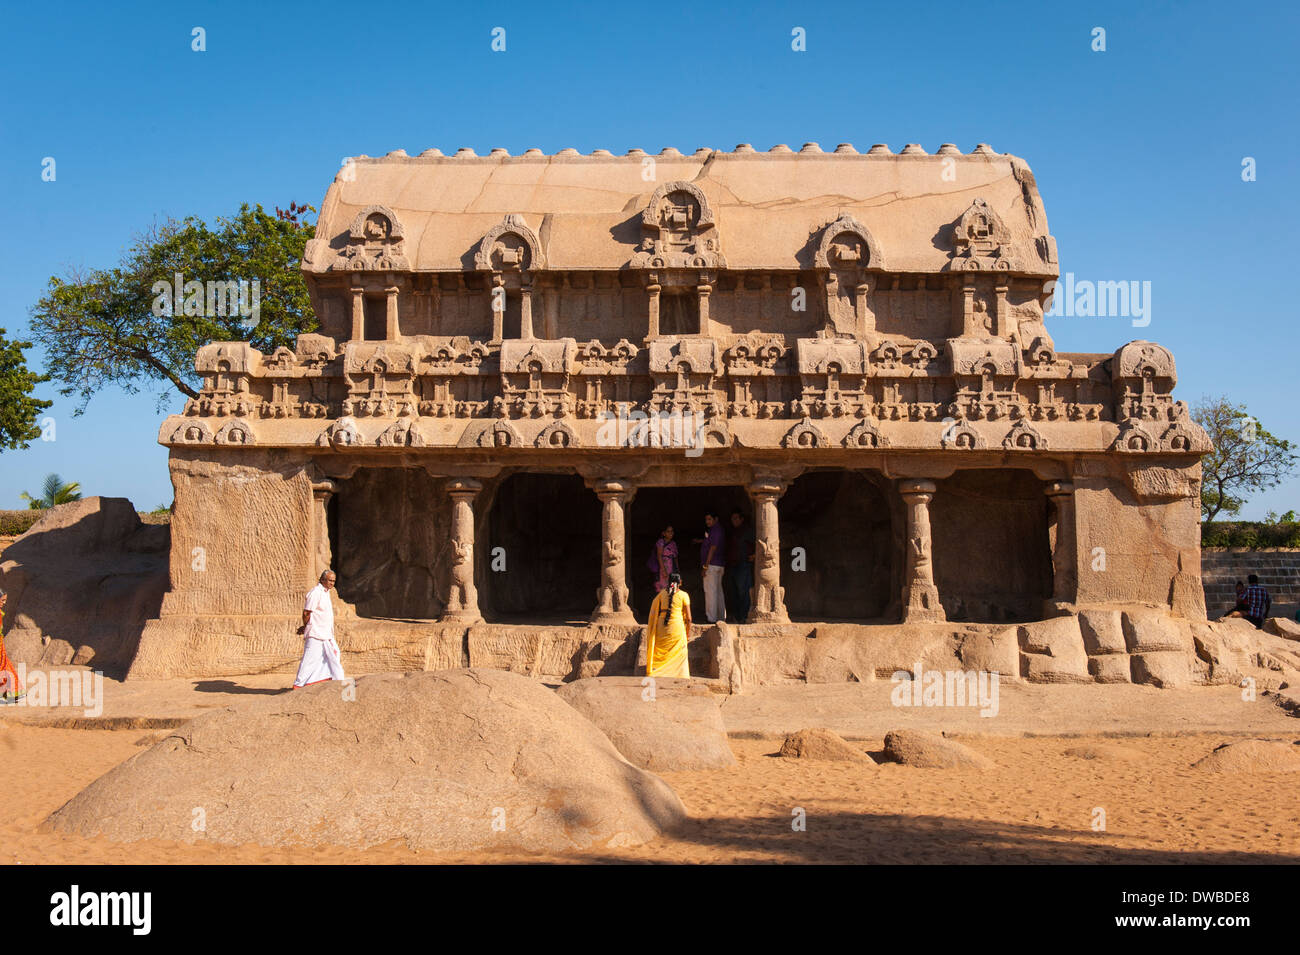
873,838
228,686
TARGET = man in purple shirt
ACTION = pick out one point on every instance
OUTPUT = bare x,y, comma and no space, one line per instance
713,558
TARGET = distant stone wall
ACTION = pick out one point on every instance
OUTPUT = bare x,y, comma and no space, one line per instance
1221,567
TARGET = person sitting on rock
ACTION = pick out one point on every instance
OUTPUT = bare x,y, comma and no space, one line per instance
11,691
1257,601
1239,608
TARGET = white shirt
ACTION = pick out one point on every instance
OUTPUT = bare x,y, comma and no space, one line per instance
320,625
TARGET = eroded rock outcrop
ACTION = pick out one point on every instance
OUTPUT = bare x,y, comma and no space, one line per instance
822,744
81,583
450,760
673,725
1252,756
927,750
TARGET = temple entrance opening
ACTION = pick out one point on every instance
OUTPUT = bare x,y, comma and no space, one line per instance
547,569
386,534
992,559
845,564
653,509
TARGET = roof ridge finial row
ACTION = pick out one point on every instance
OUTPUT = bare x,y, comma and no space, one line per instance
702,152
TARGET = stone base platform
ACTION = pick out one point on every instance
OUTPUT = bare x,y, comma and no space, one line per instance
1094,645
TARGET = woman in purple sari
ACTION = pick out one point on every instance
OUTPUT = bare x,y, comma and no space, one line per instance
664,560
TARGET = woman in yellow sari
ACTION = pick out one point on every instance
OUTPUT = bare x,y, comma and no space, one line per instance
670,623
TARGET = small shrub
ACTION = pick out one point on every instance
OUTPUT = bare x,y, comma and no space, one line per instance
13,523
1250,534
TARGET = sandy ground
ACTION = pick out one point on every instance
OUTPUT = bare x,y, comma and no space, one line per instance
1038,806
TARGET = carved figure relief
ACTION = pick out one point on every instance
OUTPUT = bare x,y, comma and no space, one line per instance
678,230
375,241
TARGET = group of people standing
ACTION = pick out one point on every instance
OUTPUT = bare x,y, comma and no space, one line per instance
726,565
727,569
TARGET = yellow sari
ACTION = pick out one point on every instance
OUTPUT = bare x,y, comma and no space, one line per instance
666,643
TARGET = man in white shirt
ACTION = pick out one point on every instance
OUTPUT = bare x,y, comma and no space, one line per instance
320,653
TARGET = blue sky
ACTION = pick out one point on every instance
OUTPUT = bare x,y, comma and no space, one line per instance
1137,150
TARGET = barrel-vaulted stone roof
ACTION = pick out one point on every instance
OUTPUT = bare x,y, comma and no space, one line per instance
769,210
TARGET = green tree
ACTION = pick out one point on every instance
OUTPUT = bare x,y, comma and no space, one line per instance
112,327
53,493
1246,457
18,409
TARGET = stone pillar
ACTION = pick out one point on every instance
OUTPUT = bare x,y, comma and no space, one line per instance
653,288
358,314
611,597
969,328
392,332
865,320
461,604
1002,317
920,596
497,303
768,603
832,287
321,492
703,289
525,312
1065,554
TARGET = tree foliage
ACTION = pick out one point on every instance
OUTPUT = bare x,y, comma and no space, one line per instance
53,493
1246,457
103,327
19,411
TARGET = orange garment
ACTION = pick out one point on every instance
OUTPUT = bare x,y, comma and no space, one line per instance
9,685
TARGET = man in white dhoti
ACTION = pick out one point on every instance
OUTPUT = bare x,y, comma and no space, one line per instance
320,653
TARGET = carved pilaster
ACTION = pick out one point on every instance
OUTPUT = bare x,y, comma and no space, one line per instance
612,596
864,319
1002,315
768,603
497,302
920,596
832,287
1065,554
704,288
970,324
321,492
358,314
392,332
461,604
653,288
526,313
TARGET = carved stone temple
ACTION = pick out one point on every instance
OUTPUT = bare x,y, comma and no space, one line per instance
526,366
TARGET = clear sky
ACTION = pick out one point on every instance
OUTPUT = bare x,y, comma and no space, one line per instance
1137,150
